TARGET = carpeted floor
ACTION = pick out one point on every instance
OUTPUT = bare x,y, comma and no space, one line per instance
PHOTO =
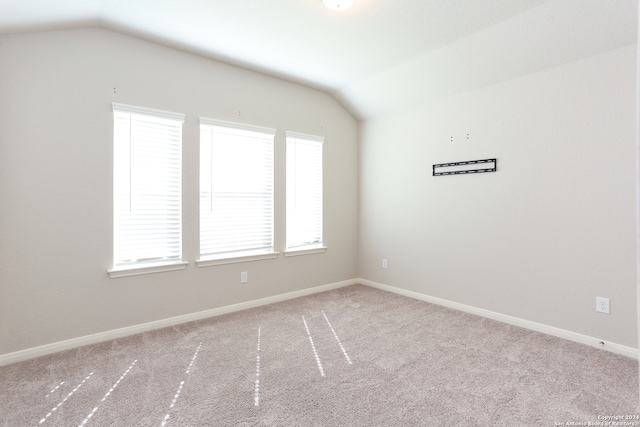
355,356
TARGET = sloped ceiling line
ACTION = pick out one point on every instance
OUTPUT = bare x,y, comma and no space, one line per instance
378,56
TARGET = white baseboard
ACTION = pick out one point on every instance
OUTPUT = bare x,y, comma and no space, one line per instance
527,324
43,350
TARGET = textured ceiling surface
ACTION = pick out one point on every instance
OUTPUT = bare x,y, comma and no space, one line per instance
343,53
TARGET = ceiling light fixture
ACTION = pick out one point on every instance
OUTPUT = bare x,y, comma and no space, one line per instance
338,4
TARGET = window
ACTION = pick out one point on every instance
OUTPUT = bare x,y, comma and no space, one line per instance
147,190
304,194
236,192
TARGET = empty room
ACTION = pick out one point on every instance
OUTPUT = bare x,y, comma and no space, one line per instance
318,213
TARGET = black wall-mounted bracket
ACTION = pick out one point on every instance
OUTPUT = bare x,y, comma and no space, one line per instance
470,166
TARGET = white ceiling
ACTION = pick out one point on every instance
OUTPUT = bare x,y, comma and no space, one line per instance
376,56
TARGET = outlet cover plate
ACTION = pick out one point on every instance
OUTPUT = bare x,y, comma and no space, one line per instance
602,305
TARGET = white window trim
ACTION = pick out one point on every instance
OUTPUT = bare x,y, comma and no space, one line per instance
305,250
251,254
234,125
237,257
137,270
308,137
127,270
147,111
312,248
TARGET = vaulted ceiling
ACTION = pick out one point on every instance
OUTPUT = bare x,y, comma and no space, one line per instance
377,56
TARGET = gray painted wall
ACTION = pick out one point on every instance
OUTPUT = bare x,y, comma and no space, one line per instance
541,238
56,90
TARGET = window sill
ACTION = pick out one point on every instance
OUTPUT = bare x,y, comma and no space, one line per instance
136,270
307,250
235,258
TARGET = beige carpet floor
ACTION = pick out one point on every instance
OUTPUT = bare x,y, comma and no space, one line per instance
354,356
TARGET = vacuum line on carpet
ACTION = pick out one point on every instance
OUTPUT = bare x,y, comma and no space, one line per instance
313,347
113,387
346,355
52,391
175,397
173,403
193,359
65,399
256,396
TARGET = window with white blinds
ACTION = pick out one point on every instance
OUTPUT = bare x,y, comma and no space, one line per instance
304,191
147,187
236,190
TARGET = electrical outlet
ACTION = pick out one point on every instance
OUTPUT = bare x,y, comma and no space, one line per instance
244,277
384,263
602,305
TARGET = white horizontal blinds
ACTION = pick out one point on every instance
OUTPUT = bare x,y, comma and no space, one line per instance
236,188
147,185
304,190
